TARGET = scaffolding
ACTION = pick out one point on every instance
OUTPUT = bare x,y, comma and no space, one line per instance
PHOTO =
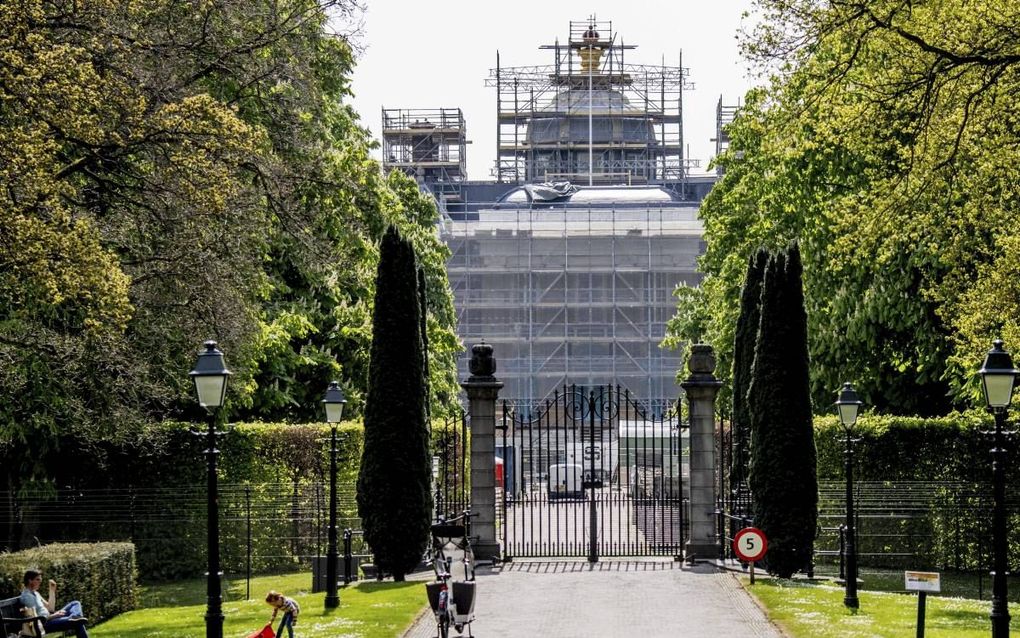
724,115
576,292
590,117
430,145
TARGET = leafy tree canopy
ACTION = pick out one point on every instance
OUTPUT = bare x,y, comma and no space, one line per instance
885,142
172,172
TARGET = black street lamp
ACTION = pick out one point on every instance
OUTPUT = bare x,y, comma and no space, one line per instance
848,405
210,376
997,378
334,402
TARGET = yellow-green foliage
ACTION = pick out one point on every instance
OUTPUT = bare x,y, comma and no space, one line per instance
171,172
885,142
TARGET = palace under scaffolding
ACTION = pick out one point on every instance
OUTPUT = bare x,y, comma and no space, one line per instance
567,262
590,117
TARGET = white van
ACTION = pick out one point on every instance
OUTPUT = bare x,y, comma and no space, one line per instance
566,481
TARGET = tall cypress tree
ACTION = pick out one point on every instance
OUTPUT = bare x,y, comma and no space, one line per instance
743,358
394,499
782,473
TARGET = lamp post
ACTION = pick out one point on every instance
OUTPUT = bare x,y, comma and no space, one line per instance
210,377
848,405
334,402
997,378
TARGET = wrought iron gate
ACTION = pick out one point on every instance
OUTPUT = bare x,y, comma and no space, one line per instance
451,480
592,472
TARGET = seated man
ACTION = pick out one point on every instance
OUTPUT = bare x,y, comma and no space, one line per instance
68,618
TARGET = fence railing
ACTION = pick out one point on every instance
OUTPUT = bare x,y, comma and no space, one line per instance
899,524
939,524
263,527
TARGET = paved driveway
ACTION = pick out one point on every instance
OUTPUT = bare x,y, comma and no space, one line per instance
646,598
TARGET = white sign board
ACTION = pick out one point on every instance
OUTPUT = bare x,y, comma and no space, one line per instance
922,581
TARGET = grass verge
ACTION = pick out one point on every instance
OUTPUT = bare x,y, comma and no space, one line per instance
958,584
368,610
812,610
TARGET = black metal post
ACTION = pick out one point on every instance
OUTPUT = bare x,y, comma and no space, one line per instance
842,553
332,598
593,548
214,607
247,511
850,600
348,557
921,598
720,533
1000,610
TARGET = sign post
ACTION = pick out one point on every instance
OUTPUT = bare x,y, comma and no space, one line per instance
750,545
922,583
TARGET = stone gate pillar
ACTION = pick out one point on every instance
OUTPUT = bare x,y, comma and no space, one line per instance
701,388
482,389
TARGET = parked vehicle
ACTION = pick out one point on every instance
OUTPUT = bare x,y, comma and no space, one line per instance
566,480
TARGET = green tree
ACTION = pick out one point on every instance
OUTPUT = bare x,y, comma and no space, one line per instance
783,478
177,171
883,144
743,360
418,216
394,497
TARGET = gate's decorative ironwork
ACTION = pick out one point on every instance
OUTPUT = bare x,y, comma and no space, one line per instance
451,471
733,506
592,472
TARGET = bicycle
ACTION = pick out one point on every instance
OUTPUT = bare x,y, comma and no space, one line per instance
452,602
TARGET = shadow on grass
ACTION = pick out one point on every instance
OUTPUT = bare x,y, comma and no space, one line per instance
193,592
959,615
371,587
179,594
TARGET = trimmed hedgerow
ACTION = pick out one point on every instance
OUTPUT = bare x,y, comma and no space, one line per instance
100,575
949,459
904,448
156,491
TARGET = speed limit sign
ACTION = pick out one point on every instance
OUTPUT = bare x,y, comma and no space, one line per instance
750,544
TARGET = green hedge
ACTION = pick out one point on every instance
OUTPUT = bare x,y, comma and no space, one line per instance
100,575
151,490
902,448
950,459
154,486
280,463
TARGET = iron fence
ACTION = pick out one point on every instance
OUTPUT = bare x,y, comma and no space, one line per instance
263,527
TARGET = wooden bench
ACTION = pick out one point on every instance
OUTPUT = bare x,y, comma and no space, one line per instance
14,622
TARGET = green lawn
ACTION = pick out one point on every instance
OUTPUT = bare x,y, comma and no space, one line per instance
367,610
954,584
816,611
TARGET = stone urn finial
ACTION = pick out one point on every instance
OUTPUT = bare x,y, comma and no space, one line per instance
483,364
702,360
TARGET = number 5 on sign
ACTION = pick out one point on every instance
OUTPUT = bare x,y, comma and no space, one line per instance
750,545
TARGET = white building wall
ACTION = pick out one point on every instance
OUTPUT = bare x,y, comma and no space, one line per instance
574,296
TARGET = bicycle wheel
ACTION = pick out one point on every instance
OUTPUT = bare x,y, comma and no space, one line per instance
444,626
